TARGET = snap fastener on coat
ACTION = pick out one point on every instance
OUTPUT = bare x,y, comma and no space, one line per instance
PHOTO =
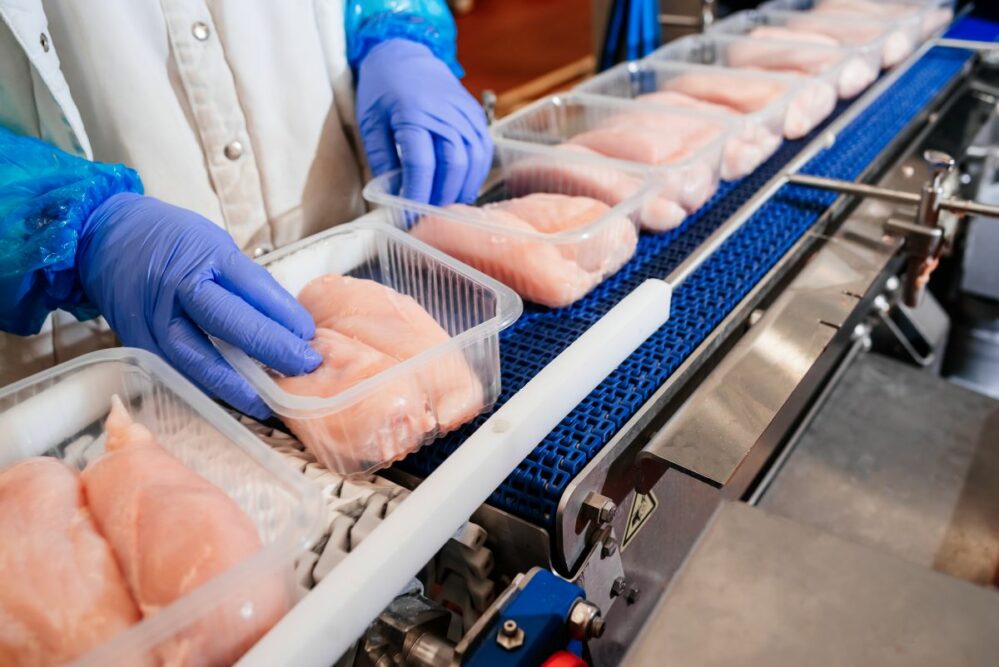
200,31
233,150
43,39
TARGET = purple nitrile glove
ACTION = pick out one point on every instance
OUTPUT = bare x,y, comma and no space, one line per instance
164,276
414,113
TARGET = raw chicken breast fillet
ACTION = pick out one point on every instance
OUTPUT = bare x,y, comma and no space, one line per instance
762,54
546,272
791,35
746,148
932,20
897,44
739,93
606,184
397,326
603,253
378,428
61,591
172,530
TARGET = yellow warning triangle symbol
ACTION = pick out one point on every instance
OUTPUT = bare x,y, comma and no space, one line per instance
641,509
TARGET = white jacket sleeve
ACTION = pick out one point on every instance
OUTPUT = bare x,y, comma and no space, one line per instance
34,97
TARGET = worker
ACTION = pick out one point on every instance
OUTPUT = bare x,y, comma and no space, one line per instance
239,120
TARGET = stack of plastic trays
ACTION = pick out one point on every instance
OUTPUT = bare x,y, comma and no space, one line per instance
888,38
555,267
61,413
798,105
930,15
850,70
534,148
369,425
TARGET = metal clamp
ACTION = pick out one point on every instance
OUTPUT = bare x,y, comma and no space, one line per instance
925,238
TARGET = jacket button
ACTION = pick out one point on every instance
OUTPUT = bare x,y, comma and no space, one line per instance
200,31
233,150
43,39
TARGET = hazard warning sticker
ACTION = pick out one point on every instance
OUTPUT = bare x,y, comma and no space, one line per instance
641,509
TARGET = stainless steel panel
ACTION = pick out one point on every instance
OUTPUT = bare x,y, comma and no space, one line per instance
762,590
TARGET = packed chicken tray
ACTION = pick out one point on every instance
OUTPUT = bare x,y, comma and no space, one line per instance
161,530
765,106
850,70
679,151
408,339
887,37
929,15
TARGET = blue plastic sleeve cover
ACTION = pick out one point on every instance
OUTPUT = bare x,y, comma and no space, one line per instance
46,196
370,22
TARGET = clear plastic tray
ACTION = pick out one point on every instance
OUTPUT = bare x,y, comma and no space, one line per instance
931,15
554,269
891,41
802,104
527,143
844,66
471,307
757,135
61,412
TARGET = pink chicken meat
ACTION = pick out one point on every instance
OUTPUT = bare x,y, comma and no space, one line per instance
380,427
172,530
932,19
855,75
607,184
61,590
398,327
747,147
897,43
550,273
805,110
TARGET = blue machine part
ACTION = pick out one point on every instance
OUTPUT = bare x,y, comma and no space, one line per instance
541,610
533,490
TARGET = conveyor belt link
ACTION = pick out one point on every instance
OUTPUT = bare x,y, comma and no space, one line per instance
533,491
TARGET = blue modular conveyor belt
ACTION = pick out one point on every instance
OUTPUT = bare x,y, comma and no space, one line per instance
533,491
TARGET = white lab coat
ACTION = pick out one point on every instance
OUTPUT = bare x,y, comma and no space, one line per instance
240,110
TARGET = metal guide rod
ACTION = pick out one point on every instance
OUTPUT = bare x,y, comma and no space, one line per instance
893,196
969,44
826,139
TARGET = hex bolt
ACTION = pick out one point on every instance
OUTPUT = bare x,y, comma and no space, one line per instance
600,508
632,595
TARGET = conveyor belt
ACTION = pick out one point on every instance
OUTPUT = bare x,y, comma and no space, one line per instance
532,492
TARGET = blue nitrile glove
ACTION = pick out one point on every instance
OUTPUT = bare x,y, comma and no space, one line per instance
414,113
162,276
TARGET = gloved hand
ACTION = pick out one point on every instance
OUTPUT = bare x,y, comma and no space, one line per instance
413,111
162,276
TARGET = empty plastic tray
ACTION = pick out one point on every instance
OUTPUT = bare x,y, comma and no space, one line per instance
61,412
850,70
393,412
